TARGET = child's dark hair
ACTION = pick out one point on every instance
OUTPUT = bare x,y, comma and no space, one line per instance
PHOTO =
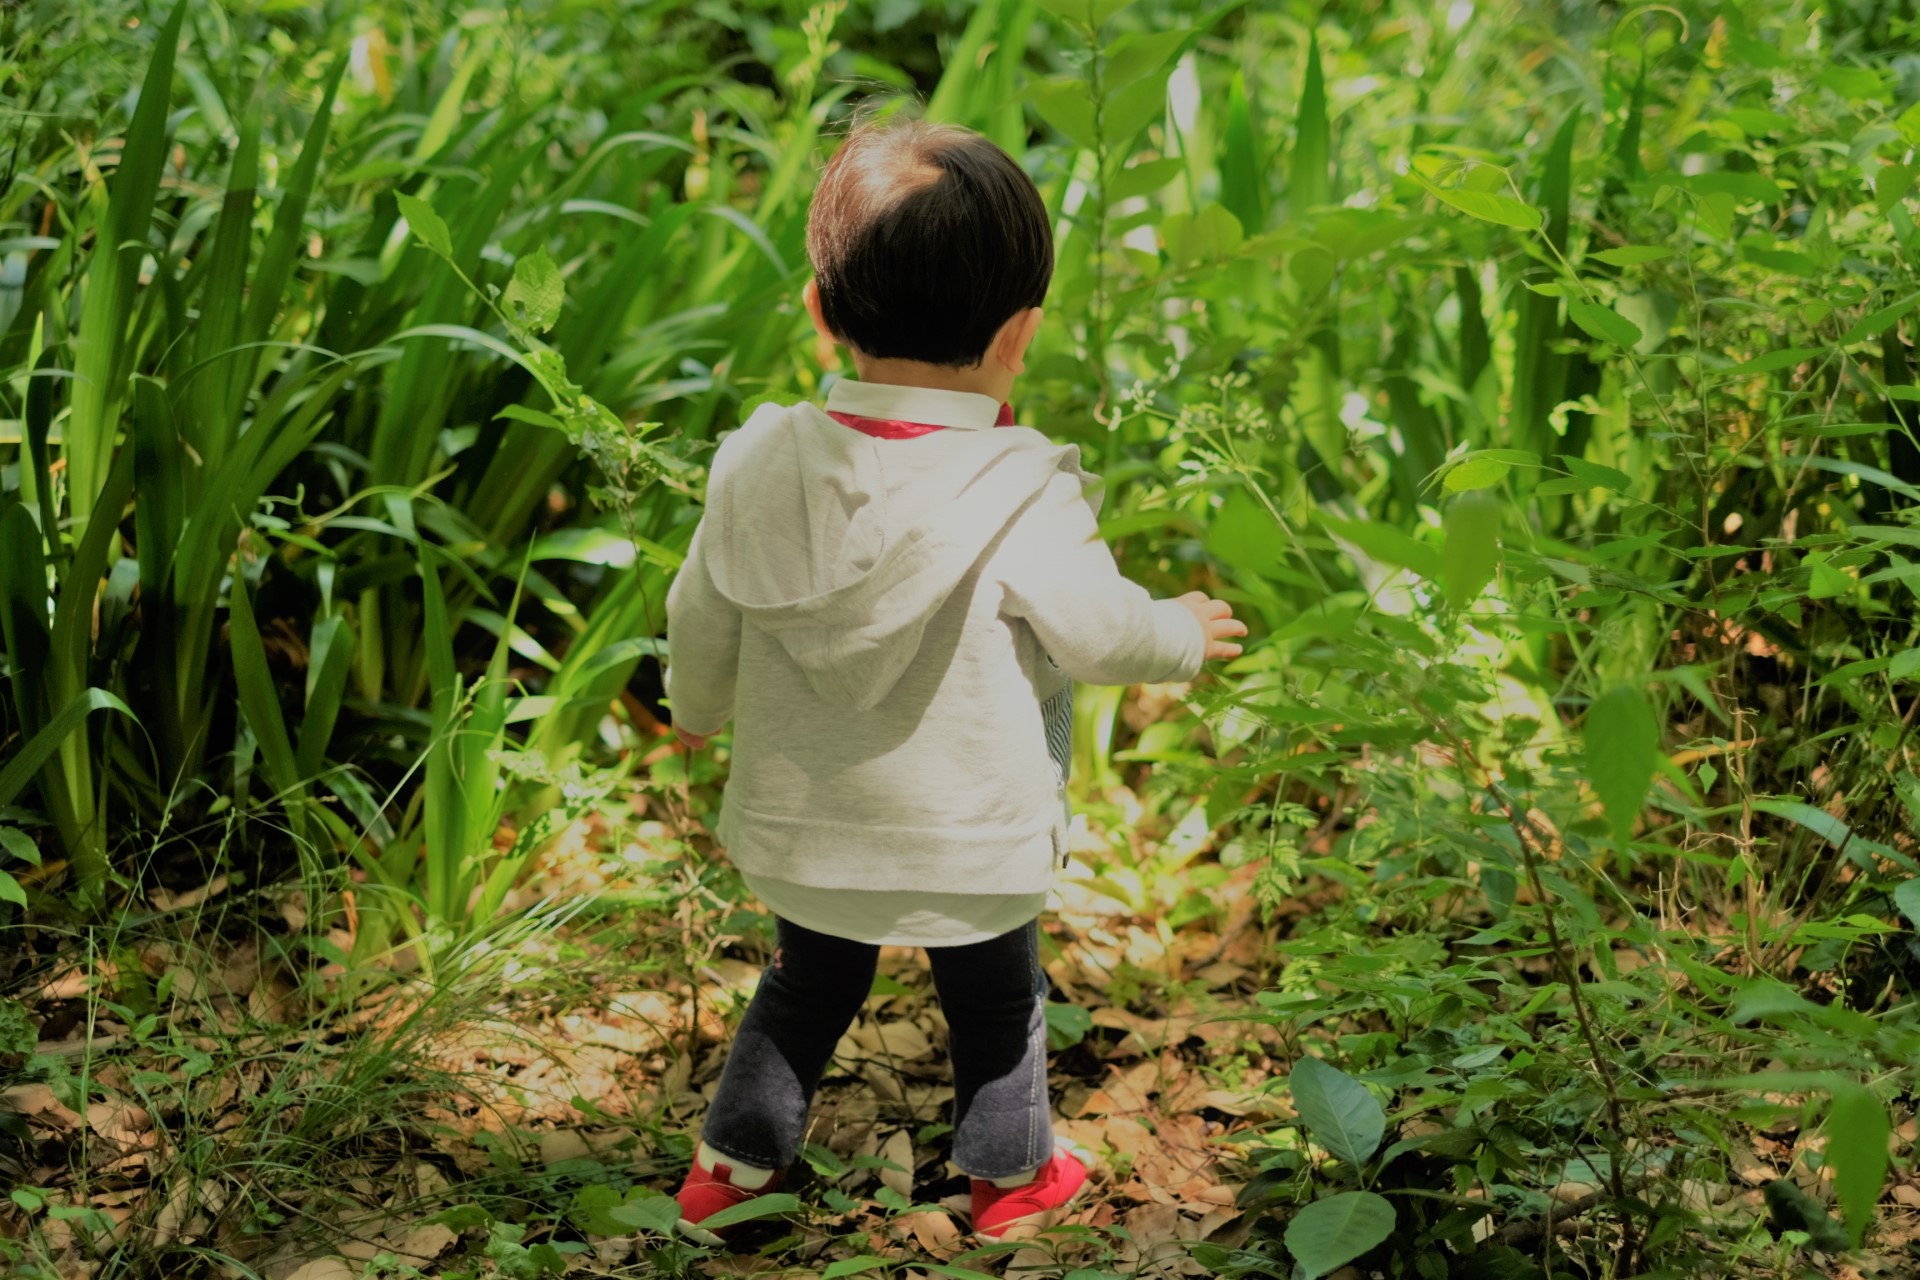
925,239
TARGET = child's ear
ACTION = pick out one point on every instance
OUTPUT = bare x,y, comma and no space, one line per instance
1015,336
826,346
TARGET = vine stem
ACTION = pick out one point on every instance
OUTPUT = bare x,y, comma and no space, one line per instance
1527,836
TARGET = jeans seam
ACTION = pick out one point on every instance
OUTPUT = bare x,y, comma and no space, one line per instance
1036,1088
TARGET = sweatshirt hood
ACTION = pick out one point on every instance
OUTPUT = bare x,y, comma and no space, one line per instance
843,547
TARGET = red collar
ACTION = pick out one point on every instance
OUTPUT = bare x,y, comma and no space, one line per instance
896,429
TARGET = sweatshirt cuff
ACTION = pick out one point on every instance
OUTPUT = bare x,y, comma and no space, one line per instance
1185,637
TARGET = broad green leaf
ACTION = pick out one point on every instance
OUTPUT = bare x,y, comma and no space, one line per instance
20,845
1092,14
1597,475
1330,1233
1140,53
536,293
1773,361
1622,751
1478,472
40,748
1604,322
1064,104
1632,255
1212,232
10,890
854,1266
656,1213
1145,178
1857,1129
1488,206
1310,169
1387,544
1470,551
1135,107
768,1206
1343,1116
426,224
1879,320
1906,896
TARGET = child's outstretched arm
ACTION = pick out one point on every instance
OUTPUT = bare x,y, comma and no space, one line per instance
703,649
1098,626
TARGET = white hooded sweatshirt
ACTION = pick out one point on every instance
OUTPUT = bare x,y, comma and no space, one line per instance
882,619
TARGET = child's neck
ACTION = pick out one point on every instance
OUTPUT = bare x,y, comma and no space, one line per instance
988,379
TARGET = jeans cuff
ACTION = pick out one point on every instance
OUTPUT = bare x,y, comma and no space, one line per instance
756,1162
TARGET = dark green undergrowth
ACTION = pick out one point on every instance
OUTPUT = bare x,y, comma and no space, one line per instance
1536,378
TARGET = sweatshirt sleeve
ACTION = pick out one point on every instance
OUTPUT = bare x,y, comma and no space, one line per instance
703,645
1098,626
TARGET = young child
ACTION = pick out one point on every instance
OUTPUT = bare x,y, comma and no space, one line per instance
891,598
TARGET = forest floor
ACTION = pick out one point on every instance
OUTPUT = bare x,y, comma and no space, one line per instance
547,1094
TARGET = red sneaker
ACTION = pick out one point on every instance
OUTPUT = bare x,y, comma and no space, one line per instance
708,1191
1002,1213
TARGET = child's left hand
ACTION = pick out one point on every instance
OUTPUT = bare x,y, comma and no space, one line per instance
691,741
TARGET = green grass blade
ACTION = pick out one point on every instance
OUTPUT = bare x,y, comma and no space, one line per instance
44,744
1243,166
41,388
214,393
1310,181
260,703
289,224
1540,371
330,661
112,279
157,463
444,814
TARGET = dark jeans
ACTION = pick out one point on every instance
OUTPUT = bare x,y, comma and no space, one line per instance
994,996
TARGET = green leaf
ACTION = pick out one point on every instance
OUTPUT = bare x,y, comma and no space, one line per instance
1211,232
1857,1129
1604,322
1067,1025
1773,361
426,224
1064,104
1632,255
1387,544
1141,53
40,747
1488,206
1906,896
1878,320
854,1266
1143,178
1622,751
768,1206
536,293
1088,14
1478,472
1342,1115
1330,1233
10,890
1470,551
20,845
1596,475
654,1212
1310,169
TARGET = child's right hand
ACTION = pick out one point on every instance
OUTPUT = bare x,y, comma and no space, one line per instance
1217,620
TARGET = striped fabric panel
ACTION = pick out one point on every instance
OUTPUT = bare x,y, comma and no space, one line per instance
1056,713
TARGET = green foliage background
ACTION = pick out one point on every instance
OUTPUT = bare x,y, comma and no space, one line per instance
1536,377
